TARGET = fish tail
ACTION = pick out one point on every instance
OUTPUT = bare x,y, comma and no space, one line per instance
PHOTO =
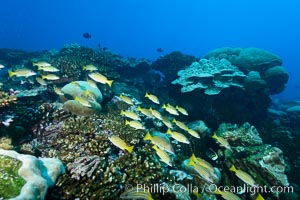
43,76
177,107
139,108
215,136
129,149
34,64
191,163
146,95
109,82
169,131
174,120
193,157
122,112
259,197
10,73
84,68
232,168
154,147
148,136
126,122
40,68
164,106
218,192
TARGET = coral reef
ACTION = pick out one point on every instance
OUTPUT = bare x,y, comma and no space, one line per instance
266,64
11,182
39,174
83,166
81,89
245,135
6,143
227,85
212,75
7,99
262,161
274,164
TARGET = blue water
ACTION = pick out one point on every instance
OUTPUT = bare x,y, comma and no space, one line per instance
137,28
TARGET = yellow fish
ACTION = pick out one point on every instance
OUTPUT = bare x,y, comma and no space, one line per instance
227,195
152,97
164,157
118,142
130,115
193,133
145,111
160,142
136,193
156,114
135,124
167,122
91,83
100,78
202,171
90,68
89,95
83,101
245,177
48,69
180,124
182,110
178,136
204,163
40,81
41,64
126,99
222,141
170,109
51,77
58,91
24,72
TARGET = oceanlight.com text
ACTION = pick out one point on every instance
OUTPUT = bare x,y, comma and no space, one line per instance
209,188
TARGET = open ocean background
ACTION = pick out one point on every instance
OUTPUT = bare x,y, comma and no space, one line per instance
137,28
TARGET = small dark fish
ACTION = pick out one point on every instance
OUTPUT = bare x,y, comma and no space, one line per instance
159,50
86,35
297,87
104,48
99,45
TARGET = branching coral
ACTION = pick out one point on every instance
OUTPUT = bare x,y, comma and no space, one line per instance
7,99
83,166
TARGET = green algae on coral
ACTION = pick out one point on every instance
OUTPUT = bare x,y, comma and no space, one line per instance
10,181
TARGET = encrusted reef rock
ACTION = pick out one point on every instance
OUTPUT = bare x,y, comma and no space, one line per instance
262,161
39,175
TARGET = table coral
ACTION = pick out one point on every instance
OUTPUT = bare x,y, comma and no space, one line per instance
212,75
